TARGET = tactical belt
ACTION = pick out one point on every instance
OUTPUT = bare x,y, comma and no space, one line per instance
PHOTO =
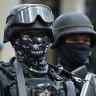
20,78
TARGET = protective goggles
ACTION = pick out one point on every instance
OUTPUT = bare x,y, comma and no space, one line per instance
29,14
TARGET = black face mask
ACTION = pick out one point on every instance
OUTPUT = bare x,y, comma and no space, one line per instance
73,55
35,46
30,46
31,50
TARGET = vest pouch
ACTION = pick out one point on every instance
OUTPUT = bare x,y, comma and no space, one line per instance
41,87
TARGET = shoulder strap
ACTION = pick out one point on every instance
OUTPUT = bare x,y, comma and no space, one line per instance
20,79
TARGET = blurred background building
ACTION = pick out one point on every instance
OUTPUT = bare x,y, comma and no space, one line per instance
58,7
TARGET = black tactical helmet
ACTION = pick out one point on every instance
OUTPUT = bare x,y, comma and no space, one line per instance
26,17
72,23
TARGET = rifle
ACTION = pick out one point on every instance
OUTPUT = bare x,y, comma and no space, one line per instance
62,72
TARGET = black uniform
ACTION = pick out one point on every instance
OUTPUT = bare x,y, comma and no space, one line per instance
8,80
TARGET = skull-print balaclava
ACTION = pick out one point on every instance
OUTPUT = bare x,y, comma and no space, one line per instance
31,50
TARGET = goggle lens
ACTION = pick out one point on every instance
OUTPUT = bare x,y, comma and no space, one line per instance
29,14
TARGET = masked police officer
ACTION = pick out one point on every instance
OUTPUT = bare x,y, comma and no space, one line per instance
29,30
74,37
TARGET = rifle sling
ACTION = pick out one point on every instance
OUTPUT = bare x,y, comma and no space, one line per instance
20,78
